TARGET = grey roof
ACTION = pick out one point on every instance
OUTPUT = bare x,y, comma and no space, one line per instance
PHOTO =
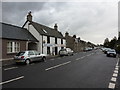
15,32
44,30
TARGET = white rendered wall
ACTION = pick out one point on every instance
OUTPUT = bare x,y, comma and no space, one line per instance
59,43
64,42
45,47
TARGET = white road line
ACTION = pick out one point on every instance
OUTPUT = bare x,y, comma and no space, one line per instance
117,62
113,79
116,71
115,75
111,85
11,80
116,68
82,57
10,68
88,55
52,59
77,58
58,65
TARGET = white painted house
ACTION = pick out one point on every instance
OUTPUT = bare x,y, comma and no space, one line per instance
50,39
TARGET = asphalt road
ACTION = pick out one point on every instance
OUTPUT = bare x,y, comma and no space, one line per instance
82,70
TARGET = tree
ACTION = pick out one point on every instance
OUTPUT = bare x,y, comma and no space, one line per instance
112,43
106,42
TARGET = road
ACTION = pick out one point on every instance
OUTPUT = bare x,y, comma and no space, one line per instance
82,70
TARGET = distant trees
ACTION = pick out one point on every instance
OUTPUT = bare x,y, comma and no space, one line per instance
113,44
106,43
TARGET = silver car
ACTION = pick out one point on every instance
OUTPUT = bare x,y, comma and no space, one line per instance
29,56
65,52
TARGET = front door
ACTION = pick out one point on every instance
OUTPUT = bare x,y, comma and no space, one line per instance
56,50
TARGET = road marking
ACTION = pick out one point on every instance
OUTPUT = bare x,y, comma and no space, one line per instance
82,57
11,80
52,59
77,58
111,85
10,68
58,65
116,71
116,68
113,79
88,55
115,75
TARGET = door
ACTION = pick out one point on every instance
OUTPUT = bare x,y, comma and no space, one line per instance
56,50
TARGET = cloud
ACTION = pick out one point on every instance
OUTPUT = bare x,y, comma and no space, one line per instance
92,21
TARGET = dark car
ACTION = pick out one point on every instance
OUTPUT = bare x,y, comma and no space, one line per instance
111,53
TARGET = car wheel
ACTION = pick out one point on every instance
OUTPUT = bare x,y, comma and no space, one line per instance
43,59
27,62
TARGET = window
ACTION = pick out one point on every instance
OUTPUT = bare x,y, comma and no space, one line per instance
30,53
61,41
48,50
55,40
9,47
48,39
17,47
44,30
13,47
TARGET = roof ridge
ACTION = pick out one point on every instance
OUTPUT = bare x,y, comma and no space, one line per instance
44,25
12,25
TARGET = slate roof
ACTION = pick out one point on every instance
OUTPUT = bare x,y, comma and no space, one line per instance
44,30
15,32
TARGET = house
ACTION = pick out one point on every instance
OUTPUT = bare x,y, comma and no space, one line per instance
15,39
76,44
50,39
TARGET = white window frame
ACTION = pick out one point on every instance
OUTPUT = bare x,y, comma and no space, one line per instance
15,47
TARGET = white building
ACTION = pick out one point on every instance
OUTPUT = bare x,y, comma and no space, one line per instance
50,39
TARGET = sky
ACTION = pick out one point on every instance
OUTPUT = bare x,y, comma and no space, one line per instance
91,20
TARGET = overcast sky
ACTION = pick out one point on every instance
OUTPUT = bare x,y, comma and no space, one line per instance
91,21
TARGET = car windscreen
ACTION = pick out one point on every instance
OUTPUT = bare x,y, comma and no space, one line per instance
62,50
20,53
111,51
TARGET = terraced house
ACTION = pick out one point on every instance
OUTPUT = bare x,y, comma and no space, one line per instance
14,39
50,39
31,36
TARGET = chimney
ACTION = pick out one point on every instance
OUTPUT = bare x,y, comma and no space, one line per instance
56,27
29,16
74,36
66,34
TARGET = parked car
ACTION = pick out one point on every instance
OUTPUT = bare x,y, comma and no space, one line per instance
111,53
106,50
29,56
65,52
88,49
